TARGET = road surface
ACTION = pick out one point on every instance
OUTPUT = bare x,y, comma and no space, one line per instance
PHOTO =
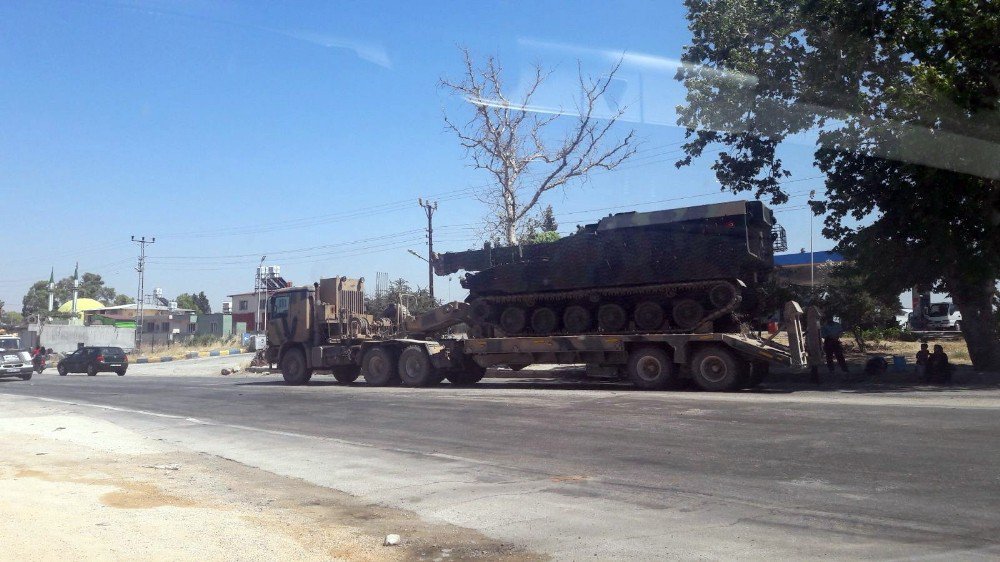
578,471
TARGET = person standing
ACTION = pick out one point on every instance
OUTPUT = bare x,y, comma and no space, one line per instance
832,347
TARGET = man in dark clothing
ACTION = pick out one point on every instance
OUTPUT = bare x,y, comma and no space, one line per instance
922,357
832,347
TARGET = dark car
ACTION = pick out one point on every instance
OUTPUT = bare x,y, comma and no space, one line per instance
93,360
16,363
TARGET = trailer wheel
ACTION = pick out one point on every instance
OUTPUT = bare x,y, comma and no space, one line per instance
715,369
650,368
470,374
379,367
415,368
293,367
346,374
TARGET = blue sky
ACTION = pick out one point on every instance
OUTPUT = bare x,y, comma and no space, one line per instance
303,131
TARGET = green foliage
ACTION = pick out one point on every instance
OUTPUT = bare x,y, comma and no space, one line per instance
419,303
903,99
91,287
543,237
549,223
197,302
121,299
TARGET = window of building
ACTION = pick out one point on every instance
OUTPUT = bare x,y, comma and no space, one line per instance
150,326
214,327
192,328
243,304
166,326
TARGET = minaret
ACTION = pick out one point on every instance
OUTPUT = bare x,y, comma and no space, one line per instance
52,288
76,286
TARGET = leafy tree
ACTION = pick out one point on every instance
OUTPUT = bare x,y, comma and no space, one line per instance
511,141
544,236
197,302
202,301
903,100
417,304
121,299
549,223
92,286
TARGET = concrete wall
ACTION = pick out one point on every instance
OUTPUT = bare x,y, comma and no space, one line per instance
63,339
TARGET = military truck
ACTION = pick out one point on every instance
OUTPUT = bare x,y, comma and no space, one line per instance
693,269
324,328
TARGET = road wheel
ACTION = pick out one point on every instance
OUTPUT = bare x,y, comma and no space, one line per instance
379,367
513,320
721,294
544,321
120,372
648,315
91,371
480,310
714,369
415,367
687,313
61,369
577,319
293,367
650,368
470,374
611,317
346,374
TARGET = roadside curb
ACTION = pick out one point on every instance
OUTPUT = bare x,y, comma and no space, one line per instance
190,355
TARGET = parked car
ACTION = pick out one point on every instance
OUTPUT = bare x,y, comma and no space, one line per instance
16,363
93,360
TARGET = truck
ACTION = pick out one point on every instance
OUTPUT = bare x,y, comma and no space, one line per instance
324,328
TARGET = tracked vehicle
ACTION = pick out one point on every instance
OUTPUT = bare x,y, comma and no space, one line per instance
684,270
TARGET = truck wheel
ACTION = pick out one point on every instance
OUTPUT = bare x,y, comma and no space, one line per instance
650,368
293,367
715,369
346,374
379,367
415,368
470,374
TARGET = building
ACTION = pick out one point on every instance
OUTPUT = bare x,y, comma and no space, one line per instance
245,307
218,324
162,325
802,268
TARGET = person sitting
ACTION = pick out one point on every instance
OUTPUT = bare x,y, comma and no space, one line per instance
938,368
922,356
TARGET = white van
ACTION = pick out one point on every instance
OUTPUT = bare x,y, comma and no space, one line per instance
943,316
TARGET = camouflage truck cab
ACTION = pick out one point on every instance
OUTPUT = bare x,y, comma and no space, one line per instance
670,271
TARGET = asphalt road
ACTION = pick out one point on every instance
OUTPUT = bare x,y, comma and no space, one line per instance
598,470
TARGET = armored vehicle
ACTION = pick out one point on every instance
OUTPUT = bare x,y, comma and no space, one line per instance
670,271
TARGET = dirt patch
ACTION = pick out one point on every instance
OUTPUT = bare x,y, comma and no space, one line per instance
63,499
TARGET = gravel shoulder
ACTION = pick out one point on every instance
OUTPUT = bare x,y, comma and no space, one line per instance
82,488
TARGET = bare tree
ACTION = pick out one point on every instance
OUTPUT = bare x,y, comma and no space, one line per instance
507,138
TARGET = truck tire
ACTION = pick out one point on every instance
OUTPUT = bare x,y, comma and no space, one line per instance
715,369
650,368
346,374
379,367
470,374
293,367
415,367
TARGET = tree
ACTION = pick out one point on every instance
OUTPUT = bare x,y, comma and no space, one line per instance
122,299
549,223
903,99
196,302
510,140
417,304
36,299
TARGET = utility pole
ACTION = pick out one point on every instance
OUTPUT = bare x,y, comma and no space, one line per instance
257,285
812,254
141,268
429,209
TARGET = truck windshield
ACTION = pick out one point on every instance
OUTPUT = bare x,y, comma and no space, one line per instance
938,309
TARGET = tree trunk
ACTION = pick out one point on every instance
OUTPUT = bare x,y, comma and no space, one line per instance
979,322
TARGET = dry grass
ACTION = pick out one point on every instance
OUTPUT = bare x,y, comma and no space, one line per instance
956,349
180,349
